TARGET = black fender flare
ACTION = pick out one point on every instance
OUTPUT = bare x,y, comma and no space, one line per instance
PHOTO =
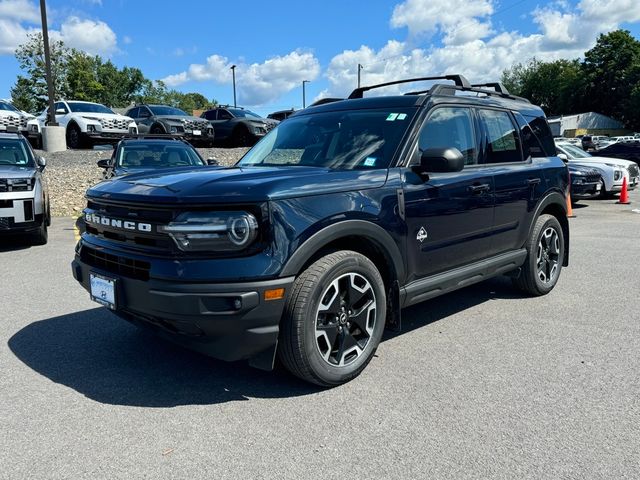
346,228
158,124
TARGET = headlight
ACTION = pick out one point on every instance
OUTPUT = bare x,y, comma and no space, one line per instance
617,175
213,231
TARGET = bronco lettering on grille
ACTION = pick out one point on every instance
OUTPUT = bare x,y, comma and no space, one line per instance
117,223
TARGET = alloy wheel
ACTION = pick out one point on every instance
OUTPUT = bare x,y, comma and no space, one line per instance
548,255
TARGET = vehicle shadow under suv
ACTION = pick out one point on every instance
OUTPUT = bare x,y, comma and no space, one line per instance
112,362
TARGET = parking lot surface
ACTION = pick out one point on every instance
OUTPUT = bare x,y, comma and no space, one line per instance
481,383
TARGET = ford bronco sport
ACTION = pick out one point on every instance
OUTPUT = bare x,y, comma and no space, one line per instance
340,217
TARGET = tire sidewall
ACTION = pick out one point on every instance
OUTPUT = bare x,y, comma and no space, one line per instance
549,222
334,374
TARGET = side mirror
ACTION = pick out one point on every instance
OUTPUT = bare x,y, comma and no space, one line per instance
563,157
106,163
42,162
60,111
439,160
212,161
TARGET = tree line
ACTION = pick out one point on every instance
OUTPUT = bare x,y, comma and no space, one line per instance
606,81
79,76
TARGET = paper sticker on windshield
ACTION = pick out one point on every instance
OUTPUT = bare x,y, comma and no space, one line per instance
369,161
392,117
402,116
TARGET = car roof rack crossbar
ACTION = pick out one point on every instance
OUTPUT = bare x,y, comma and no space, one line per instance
459,80
156,136
441,89
497,86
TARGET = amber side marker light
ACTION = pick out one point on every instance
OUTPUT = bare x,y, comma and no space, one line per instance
275,294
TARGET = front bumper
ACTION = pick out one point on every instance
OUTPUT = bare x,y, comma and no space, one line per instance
107,136
228,321
585,190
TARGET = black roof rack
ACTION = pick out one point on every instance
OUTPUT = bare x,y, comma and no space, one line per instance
459,81
497,86
441,89
153,136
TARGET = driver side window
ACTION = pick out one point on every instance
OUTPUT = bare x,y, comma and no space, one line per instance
449,127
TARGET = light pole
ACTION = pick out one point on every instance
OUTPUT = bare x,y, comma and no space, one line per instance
304,96
360,67
47,64
233,72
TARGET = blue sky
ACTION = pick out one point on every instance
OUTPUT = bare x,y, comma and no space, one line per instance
277,44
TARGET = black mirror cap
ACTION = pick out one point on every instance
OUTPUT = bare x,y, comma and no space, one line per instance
442,160
106,163
212,161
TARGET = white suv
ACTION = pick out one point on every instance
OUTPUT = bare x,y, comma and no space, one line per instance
85,123
12,119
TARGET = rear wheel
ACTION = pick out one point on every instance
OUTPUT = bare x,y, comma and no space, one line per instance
74,136
545,256
41,236
334,319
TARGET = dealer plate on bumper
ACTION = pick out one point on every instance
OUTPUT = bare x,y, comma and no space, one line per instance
103,290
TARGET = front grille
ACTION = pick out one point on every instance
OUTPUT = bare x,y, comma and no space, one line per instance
115,124
634,171
14,121
16,184
592,177
116,264
154,241
197,125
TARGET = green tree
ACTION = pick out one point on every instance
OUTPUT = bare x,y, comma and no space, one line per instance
611,71
82,83
30,56
22,95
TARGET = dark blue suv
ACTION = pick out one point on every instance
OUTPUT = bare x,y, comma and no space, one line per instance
336,220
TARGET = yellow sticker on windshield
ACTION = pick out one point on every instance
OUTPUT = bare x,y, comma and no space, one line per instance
392,117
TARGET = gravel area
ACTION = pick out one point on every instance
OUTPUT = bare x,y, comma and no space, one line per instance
69,174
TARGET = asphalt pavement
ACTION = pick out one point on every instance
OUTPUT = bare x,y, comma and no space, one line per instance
482,383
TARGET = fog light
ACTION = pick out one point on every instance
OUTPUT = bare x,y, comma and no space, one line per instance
237,304
91,128
274,294
174,130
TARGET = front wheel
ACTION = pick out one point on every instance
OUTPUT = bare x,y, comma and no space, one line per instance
545,256
74,138
41,236
334,319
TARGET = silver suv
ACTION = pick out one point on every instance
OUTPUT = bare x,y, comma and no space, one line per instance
24,201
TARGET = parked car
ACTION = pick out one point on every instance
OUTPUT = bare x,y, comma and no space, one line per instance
163,119
587,143
614,170
347,212
12,119
24,200
586,182
281,115
237,126
625,151
86,123
142,153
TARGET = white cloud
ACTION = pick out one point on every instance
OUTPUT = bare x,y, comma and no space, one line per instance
19,10
12,34
92,36
127,40
257,83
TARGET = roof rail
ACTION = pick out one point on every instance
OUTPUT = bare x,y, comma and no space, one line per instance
152,136
459,81
441,89
497,86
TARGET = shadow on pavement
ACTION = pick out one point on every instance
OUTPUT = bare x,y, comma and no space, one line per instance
10,242
110,361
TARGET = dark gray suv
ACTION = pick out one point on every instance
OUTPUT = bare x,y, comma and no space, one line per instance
237,126
163,119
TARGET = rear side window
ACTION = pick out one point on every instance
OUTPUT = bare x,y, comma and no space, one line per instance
531,145
541,129
502,143
209,115
450,127
133,113
224,115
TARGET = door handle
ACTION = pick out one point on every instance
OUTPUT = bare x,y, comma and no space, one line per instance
484,187
532,181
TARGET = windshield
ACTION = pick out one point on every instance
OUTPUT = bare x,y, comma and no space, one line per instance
243,113
157,155
14,152
89,107
9,107
168,111
344,140
575,152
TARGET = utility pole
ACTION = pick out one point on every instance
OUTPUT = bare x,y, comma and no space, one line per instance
304,96
233,72
360,67
47,63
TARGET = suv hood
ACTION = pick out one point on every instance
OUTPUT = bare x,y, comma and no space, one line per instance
13,171
234,185
611,161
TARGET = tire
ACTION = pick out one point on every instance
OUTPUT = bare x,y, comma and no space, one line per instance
603,191
241,137
48,221
320,340
41,236
157,130
545,255
74,137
